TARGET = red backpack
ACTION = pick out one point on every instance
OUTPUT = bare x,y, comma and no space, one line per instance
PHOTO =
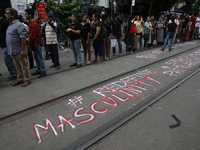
132,29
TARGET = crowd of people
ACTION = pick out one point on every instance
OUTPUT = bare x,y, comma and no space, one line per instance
20,39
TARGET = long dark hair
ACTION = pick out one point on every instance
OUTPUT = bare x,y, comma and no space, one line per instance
96,15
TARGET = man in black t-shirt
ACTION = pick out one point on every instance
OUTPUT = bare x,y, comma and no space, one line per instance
171,29
117,24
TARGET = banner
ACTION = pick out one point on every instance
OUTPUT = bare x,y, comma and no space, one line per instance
20,6
41,10
133,2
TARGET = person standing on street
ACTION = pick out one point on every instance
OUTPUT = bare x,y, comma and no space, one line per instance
171,29
16,44
117,25
196,29
96,38
107,40
148,32
129,35
160,31
51,39
35,43
73,33
30,55
86,39
7,59
139,24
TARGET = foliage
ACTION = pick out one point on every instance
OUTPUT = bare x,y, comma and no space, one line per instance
62,12
142,7
190,6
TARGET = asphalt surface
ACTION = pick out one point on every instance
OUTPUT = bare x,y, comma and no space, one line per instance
157,129
76,113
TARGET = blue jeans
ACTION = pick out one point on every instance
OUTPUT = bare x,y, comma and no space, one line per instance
119,40
140,40
170,37
53,48
76,47
9,62
97,44
39,59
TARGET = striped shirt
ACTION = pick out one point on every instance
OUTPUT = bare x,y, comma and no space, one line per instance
51,35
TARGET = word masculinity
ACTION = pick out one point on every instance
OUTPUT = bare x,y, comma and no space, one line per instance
123,90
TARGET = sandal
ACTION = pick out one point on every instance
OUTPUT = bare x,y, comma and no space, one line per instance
26,83
17,83
52,66
57,68
11,78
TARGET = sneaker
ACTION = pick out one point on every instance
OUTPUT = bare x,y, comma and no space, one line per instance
42,75
162,49
172,47
88,62
35,73
167,46
73,65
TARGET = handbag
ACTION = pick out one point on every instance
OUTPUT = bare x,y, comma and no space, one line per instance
132,29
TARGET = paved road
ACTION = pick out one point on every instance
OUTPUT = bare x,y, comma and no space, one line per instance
62,123
155,128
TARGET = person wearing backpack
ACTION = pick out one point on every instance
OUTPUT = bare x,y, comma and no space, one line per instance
51,40
129,33
107,40
96,37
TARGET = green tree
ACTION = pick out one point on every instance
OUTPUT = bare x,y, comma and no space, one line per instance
151,7
62,12
191,6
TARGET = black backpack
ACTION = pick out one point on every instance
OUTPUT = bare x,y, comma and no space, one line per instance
57,30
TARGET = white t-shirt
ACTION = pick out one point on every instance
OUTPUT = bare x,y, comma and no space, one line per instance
175,21
197,23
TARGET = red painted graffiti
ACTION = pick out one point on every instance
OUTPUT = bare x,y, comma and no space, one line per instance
113,94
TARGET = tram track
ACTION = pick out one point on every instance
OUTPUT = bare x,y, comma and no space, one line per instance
136,112
38,107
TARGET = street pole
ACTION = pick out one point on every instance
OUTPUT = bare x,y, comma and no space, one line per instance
133,4
131,10
111,9
150,7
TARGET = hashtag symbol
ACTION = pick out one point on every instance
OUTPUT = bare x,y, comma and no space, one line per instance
73,101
